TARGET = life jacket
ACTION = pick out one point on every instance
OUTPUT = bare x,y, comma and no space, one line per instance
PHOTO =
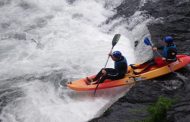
121,65
170,52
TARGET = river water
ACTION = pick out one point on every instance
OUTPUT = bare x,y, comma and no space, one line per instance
46,43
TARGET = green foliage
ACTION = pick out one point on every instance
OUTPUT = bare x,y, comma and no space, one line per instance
158,110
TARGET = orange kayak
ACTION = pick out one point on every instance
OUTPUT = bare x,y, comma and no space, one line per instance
130,77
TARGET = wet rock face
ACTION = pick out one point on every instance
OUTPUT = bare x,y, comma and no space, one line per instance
123,111
133,106
175,16
180,112
127,8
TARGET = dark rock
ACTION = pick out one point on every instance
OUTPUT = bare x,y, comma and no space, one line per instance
127,8
175,15
123,111
136,43
176,19
180,112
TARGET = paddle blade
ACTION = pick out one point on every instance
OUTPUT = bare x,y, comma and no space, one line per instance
115,39
147,42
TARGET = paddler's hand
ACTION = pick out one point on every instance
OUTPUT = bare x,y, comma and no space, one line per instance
104,72
154,48
163,58
110,54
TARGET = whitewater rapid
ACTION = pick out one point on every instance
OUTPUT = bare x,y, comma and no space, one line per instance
45,43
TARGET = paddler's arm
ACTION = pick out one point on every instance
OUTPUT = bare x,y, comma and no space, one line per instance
160,47
110,54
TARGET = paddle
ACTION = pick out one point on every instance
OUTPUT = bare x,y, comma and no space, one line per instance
114,42
148,43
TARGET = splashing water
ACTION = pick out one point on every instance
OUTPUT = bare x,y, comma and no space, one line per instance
45,42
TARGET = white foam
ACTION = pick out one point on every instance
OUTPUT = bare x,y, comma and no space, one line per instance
42,36
44,103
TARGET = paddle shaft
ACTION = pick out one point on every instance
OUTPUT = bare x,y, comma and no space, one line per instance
156,51
104,67
114,42
108,57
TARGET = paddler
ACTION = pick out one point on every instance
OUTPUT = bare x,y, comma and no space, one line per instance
169,52
118,72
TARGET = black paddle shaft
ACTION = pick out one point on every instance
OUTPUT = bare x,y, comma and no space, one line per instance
114,42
